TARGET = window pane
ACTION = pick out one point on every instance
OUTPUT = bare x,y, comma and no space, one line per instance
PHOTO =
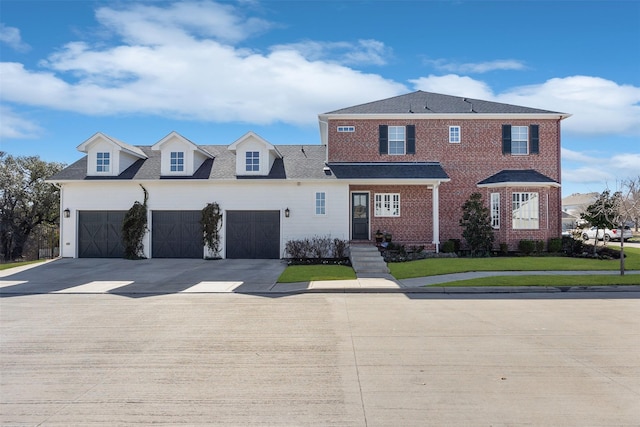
320,203
396,139
525,211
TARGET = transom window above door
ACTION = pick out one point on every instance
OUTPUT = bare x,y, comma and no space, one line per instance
252,161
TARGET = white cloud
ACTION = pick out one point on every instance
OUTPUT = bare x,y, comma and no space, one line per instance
598,168
11,37
12,126
364,52
476,67
453,84
598,106
166,70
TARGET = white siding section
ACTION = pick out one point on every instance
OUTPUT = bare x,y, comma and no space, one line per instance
299,197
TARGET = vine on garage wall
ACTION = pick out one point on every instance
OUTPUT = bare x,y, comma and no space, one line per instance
134,226
211,225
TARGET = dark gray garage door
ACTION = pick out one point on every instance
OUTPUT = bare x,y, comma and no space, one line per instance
253,234
176,234
100,234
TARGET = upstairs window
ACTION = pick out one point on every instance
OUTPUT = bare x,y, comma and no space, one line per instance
252,161
103,162
525,211
397,140
321,203
387,204
346,128
177,161
520,140
454,134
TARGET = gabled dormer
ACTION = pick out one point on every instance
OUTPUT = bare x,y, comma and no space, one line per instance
254,155
106,156
179,156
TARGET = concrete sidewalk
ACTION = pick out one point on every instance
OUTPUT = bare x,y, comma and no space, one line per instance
387,283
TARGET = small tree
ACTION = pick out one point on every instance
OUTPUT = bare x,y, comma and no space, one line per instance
601,213
476,221
134,226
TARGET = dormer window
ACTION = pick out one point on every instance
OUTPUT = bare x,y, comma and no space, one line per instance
177,161
252,162
103,161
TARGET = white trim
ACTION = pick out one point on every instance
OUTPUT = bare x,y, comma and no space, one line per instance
435,207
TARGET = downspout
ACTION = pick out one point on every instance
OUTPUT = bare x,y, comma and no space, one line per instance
435,202
326,150
61,216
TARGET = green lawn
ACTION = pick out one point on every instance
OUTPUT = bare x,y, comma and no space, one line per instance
17,264
552,280
307,273
437,266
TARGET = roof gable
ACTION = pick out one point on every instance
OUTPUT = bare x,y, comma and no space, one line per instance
175,136
101,137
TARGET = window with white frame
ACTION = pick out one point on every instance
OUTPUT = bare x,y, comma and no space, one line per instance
103,162
525,211
387,204
252,161
396,139
495,210
454,134
321,203
519,140
177,161
346,128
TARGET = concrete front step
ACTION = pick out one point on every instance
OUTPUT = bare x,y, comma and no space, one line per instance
367,259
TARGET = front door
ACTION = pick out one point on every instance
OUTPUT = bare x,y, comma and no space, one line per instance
360,216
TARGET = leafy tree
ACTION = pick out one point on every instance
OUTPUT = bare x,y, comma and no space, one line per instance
26,200
476,221
601,213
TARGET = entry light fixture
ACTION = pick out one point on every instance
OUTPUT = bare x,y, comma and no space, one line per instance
287,212
67,213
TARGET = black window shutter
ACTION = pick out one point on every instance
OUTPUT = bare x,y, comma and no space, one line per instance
383,131
506,139
411,139
534,139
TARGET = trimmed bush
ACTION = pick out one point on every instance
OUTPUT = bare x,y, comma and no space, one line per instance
555,245
448,247
504,249
526,247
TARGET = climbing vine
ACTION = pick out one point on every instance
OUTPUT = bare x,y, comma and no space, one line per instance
211,225
134,226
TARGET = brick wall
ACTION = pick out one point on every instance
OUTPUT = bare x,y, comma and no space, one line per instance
477,157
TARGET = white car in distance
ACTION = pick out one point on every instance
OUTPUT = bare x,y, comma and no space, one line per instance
607,234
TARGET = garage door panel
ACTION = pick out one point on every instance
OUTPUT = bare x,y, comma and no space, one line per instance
253,234
100,234
176,234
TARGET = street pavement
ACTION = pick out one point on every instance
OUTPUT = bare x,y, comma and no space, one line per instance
330,359
170,276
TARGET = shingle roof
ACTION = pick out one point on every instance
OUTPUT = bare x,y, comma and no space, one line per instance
297,162
434,103
529,176
419,170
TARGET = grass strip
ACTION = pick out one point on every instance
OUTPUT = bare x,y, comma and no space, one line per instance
18,264
548,280
308,273
438,266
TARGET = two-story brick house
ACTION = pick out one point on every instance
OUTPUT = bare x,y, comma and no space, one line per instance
417,158
404,165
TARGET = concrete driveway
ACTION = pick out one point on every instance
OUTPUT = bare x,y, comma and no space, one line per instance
150,276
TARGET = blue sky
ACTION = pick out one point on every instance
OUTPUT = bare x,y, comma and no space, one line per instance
213,71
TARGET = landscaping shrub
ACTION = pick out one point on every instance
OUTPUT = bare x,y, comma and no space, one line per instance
555,245
526,247
571,246
448,247
317,250
504,249
539,246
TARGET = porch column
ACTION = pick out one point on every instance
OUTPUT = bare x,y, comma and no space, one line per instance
435,200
